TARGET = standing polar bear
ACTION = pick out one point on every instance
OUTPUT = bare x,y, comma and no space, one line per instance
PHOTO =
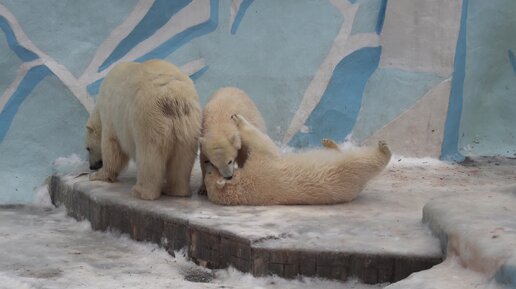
220,141
315,177
148,112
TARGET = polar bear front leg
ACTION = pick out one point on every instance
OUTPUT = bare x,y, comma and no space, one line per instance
202,160
150,166
113,158
254,140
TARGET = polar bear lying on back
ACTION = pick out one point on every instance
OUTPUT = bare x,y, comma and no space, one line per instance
149,112
322,176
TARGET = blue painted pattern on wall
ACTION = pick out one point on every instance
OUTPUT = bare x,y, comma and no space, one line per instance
159,13
320,60
381,17
94,87
449,148
240,14
199,73
512,59
23,53
31,79
258,60
69,31
49,124
186,36
489,102
367,17
340,104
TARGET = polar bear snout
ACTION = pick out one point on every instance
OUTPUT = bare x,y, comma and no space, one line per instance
96,165
227,171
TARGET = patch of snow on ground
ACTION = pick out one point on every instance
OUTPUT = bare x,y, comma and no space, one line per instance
43,248
448,275
42,197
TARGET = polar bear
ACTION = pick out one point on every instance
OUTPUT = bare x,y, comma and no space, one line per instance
314,177
220,142
148,112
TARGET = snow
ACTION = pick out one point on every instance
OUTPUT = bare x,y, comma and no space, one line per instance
72,160
70,164
448,275
42,197
480,229
43,248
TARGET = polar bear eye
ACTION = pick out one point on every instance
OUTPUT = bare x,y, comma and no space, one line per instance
88,149
230,162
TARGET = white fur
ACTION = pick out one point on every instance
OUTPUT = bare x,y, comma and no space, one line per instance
148,112
320,176
220,141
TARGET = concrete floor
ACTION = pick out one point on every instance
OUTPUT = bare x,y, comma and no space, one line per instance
386,218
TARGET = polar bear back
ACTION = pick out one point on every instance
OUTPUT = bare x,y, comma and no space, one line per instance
152,100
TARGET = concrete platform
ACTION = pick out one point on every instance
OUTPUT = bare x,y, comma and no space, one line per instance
480,230
377,238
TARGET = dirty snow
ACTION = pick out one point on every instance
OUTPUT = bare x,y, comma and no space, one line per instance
481,231
43,248
448,275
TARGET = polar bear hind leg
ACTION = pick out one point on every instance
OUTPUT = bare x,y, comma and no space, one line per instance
256,141
179,170
150,166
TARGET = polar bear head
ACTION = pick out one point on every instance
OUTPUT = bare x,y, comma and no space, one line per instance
93,140
222,152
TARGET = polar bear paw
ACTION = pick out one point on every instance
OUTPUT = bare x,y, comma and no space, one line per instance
239,120
220,184
383,147
102,176
142,193
330,144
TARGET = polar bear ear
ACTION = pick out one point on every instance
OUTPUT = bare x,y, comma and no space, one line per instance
235,140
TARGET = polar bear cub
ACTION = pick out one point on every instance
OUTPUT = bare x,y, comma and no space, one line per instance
220,142
148,112
320,176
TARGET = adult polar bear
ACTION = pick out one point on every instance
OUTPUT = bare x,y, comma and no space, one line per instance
148,112
321,176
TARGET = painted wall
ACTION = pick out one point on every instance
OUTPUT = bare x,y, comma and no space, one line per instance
433,78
